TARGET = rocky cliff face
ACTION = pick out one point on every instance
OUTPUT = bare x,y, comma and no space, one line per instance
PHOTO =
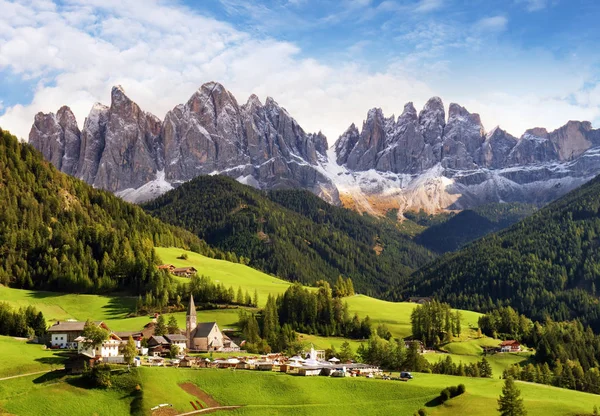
421,160
132,153
434,164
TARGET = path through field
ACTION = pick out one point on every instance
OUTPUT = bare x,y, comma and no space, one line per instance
25,375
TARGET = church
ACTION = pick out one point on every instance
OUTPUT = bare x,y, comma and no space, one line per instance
205,336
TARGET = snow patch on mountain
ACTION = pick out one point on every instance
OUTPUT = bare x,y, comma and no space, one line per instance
148,191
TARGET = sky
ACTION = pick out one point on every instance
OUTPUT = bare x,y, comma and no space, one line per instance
518,63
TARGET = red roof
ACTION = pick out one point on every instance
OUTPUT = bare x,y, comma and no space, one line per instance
510,342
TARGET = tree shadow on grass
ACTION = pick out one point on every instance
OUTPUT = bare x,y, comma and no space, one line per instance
434,402
54,360
51,376
119,307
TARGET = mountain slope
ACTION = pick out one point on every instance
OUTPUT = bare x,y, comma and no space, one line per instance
427,161
58,233
292,234
134,154
432,159
545,265
471,224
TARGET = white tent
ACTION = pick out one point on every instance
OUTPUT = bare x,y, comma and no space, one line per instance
333,360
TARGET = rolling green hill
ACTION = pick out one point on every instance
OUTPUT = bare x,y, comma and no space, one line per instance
268,393
58,233
292,234
546,265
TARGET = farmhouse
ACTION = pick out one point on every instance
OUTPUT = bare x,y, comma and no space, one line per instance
510,346
177,339
63,334
168,267
205,336
109,348
420,300
184,271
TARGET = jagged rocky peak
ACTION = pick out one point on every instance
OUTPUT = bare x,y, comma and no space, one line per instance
345,143
92,142
432,119
462,139
57,137
130,157
496,148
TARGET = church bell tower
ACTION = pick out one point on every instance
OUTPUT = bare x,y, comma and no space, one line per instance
190,323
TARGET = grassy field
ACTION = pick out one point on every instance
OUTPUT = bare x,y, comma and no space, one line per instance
230,274
396,315
273,393
50,394
19,357
60,306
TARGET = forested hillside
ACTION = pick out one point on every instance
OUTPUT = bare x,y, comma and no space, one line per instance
292,234
545,265
58,233
471,224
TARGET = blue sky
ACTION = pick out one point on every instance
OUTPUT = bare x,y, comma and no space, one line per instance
519,63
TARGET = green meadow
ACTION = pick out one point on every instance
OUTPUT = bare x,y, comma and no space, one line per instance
274,393
20,357
230,274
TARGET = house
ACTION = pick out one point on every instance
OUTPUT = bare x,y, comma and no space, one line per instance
64,333
205,336
77,364
177,339
419,299
168,267
184,271
419,344
109,348
189,362
136,335
157,341
510,346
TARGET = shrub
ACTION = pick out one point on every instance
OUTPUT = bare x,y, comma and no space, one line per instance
421,412
183,256
461,389
445,395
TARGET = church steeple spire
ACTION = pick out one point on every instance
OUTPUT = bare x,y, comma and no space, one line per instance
190,323
191,308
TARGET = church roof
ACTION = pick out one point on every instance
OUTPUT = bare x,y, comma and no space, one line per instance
191,308
203,329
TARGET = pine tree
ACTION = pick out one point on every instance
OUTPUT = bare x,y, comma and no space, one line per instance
129,351
240,296
255,299
510,403
172,326
161,327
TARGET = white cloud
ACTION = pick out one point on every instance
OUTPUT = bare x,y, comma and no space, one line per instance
492,24
534,5
425,6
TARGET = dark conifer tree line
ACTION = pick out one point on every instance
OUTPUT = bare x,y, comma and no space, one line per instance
58,233
546,265
23,322
293,234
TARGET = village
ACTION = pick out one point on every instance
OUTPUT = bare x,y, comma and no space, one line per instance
194,347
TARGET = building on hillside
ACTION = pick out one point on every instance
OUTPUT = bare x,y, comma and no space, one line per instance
64,333
510,346
205,336
184,271
419,344
136,335
420,300
177,339
168,267
109,348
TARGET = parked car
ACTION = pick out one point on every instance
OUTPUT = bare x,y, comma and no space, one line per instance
406,374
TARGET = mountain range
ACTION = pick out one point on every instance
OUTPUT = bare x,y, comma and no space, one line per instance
420,160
